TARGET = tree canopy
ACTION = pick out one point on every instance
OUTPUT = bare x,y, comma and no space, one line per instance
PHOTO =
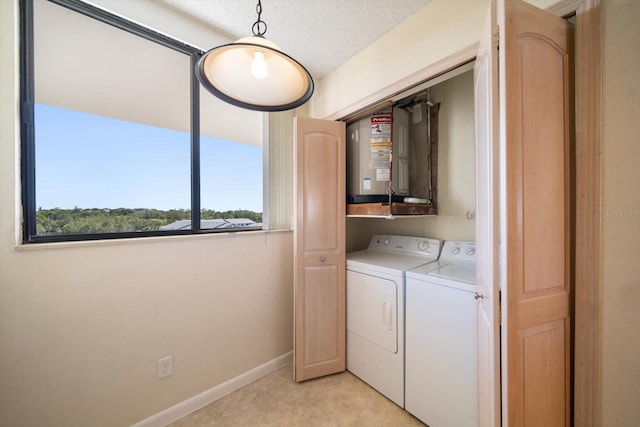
96,220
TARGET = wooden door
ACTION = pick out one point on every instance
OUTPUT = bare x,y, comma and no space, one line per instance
535,132
319,248
487,222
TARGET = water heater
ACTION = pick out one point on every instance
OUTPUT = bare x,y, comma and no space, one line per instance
378,157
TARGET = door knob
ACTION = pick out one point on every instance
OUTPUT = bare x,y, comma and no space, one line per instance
322,259
478,296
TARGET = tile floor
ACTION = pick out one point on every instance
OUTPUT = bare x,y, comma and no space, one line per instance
340,400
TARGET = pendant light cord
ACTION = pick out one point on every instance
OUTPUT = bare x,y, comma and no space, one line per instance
259,27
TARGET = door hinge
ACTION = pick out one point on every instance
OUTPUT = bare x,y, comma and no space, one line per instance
496,35
500,308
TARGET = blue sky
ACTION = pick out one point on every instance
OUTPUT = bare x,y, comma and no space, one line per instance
92,161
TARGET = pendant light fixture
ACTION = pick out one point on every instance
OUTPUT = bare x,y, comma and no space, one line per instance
254,73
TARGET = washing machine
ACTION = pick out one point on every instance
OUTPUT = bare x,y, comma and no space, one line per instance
441,339
375,308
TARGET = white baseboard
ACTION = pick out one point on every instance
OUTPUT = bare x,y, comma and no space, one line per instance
198,401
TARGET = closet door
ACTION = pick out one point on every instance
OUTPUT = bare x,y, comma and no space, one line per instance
535,137
319,248
487,223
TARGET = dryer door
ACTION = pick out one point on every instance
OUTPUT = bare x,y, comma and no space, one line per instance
372,309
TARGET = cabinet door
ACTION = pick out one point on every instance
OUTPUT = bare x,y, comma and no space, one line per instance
319,248
535,138
487,223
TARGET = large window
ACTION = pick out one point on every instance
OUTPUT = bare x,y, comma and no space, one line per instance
118,138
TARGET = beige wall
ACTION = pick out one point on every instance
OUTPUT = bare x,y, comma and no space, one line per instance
82,325
436,31
456,174
621,215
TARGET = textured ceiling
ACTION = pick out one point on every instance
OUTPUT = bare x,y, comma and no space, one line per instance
320,34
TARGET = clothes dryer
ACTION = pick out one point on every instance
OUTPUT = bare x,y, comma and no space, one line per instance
375,308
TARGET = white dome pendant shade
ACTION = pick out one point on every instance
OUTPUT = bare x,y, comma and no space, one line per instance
254,73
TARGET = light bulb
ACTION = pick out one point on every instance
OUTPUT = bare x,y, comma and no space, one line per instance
259,67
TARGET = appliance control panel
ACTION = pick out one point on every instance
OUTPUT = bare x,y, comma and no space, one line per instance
406,244
458,251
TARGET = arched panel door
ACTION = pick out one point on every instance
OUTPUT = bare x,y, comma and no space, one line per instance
319,248
524,216
536,130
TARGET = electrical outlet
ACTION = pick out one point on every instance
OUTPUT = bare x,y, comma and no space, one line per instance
165,367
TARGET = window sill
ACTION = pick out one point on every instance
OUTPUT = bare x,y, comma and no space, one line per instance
143,240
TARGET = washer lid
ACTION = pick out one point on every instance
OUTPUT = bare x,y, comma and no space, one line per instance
465,273
445,270
386,261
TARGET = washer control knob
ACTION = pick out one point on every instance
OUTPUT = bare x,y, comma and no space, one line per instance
470,251
423,245
386,241
455,250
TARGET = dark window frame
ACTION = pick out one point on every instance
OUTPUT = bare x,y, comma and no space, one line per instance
27,99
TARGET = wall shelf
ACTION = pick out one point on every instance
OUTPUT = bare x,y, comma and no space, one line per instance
393,210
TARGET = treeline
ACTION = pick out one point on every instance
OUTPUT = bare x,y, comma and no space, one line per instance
87,221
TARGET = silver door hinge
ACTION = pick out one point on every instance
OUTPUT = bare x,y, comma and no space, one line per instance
496,35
